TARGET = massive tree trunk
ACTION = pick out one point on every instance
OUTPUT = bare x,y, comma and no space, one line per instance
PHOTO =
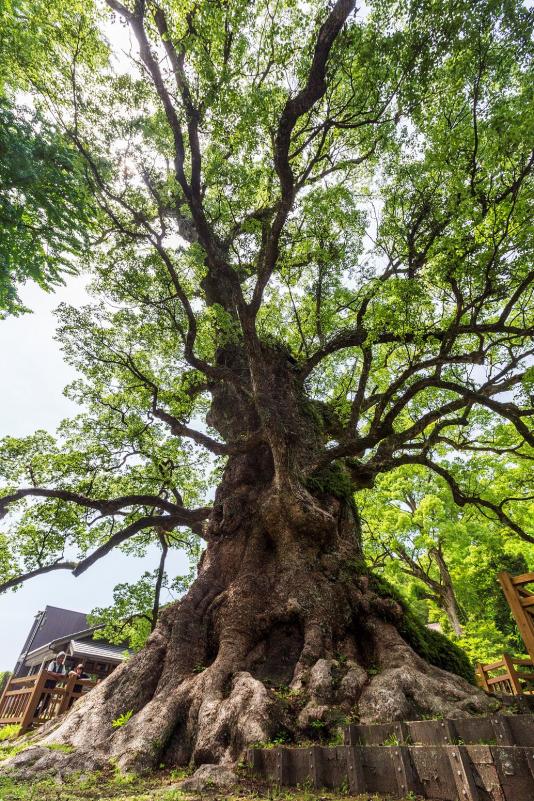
283,631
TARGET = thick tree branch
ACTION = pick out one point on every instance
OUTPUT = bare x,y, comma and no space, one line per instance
295,108
105,506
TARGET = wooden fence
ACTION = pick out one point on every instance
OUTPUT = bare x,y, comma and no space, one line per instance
32,700
507,676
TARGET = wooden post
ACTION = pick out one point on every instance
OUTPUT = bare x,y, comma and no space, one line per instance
512,674
67,690
503,732
355,769
523,619
315,758
481,675
282,758
406,776
4,691
33,700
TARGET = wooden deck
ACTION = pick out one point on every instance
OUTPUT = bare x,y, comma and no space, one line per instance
28,701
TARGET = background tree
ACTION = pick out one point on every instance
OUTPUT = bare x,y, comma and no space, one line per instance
45,205
314,268
444,559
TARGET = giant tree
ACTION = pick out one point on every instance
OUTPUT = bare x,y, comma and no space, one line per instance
314,267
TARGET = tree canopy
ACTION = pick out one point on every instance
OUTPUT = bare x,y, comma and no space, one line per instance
45,203
351,190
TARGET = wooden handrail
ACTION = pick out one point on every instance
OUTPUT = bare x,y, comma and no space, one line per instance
35,702
510,680
525,578
512,587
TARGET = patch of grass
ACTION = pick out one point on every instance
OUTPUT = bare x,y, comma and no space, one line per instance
7,751
158,786
9,732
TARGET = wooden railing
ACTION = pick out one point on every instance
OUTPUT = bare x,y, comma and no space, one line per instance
28,701
507,676
521,603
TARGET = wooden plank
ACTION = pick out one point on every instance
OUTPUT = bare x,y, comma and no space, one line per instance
502,731
481,677
463,773
516,687
31,705
515,777
334,767
524,578
355,769
67,691
434,773
378,770
281,766
314,765
522,727
407,779
473,730
498,679
524,621
493,666
526,602
15,693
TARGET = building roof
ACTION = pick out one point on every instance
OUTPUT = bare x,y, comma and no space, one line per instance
55,629
98,651
51,623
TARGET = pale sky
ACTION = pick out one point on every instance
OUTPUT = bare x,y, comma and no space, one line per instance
34,375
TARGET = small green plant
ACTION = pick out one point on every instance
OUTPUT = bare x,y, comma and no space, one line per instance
392,739
337,738
122,720
199,668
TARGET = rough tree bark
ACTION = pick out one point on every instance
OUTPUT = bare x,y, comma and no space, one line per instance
282,628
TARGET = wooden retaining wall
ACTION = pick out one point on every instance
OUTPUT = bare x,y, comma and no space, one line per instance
442,772
492,730
469,759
